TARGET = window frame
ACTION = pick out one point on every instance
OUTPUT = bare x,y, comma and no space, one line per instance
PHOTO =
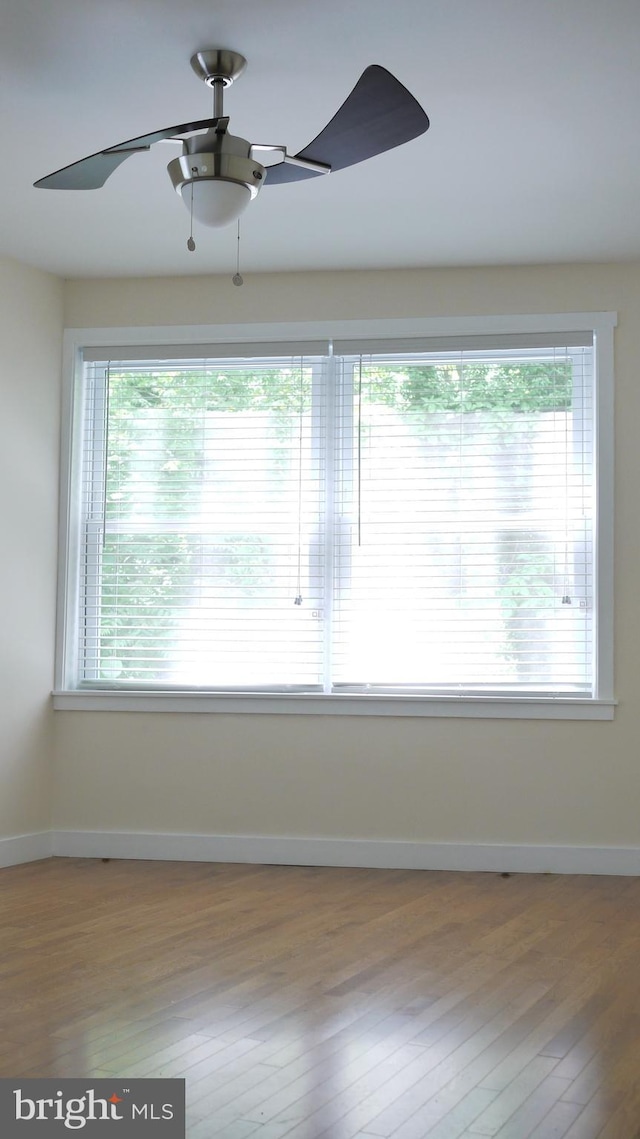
299,336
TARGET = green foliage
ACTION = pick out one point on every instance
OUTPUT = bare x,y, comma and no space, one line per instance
214,388
405,387
471,387
526,593
171,405
144,580
147,580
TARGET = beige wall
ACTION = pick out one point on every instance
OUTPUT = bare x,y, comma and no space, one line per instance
30,351
430,780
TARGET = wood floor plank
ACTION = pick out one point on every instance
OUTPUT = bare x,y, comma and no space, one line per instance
569,998
450,1057
609,1058
557,1122
534,1110
304,1002
448,1124
364,1096
442,1094
509,1101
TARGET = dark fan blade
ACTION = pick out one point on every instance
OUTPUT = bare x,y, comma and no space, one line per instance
378,115
92,172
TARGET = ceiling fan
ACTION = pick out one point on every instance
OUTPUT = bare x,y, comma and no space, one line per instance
218,173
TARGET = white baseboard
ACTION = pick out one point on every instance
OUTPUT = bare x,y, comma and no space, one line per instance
376,853
25,848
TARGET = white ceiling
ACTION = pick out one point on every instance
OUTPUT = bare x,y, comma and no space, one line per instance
533,154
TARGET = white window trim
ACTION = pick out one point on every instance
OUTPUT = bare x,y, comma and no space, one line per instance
602,324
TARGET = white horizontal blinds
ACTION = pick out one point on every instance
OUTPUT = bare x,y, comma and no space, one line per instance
203,556
464,540
413,520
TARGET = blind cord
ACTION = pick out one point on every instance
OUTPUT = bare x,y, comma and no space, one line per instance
107,395
298,597
566,594
360,452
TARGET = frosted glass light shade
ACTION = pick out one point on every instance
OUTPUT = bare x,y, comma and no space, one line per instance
216,202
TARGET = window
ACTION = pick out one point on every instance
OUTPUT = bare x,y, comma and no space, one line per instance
412,520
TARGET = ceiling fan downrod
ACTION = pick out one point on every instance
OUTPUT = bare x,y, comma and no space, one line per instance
218,68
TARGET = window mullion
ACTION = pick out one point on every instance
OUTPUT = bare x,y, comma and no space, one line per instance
344,520
331,418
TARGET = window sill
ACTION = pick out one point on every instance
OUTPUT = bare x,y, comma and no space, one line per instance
470,707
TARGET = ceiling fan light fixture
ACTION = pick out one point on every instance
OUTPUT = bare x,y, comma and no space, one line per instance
223,183
216,202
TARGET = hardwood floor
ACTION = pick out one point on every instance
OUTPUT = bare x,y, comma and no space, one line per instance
332,1003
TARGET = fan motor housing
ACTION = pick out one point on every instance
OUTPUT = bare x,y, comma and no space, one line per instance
223,156
226,167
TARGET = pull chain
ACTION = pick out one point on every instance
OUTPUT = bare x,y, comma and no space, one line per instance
191,243
237,277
